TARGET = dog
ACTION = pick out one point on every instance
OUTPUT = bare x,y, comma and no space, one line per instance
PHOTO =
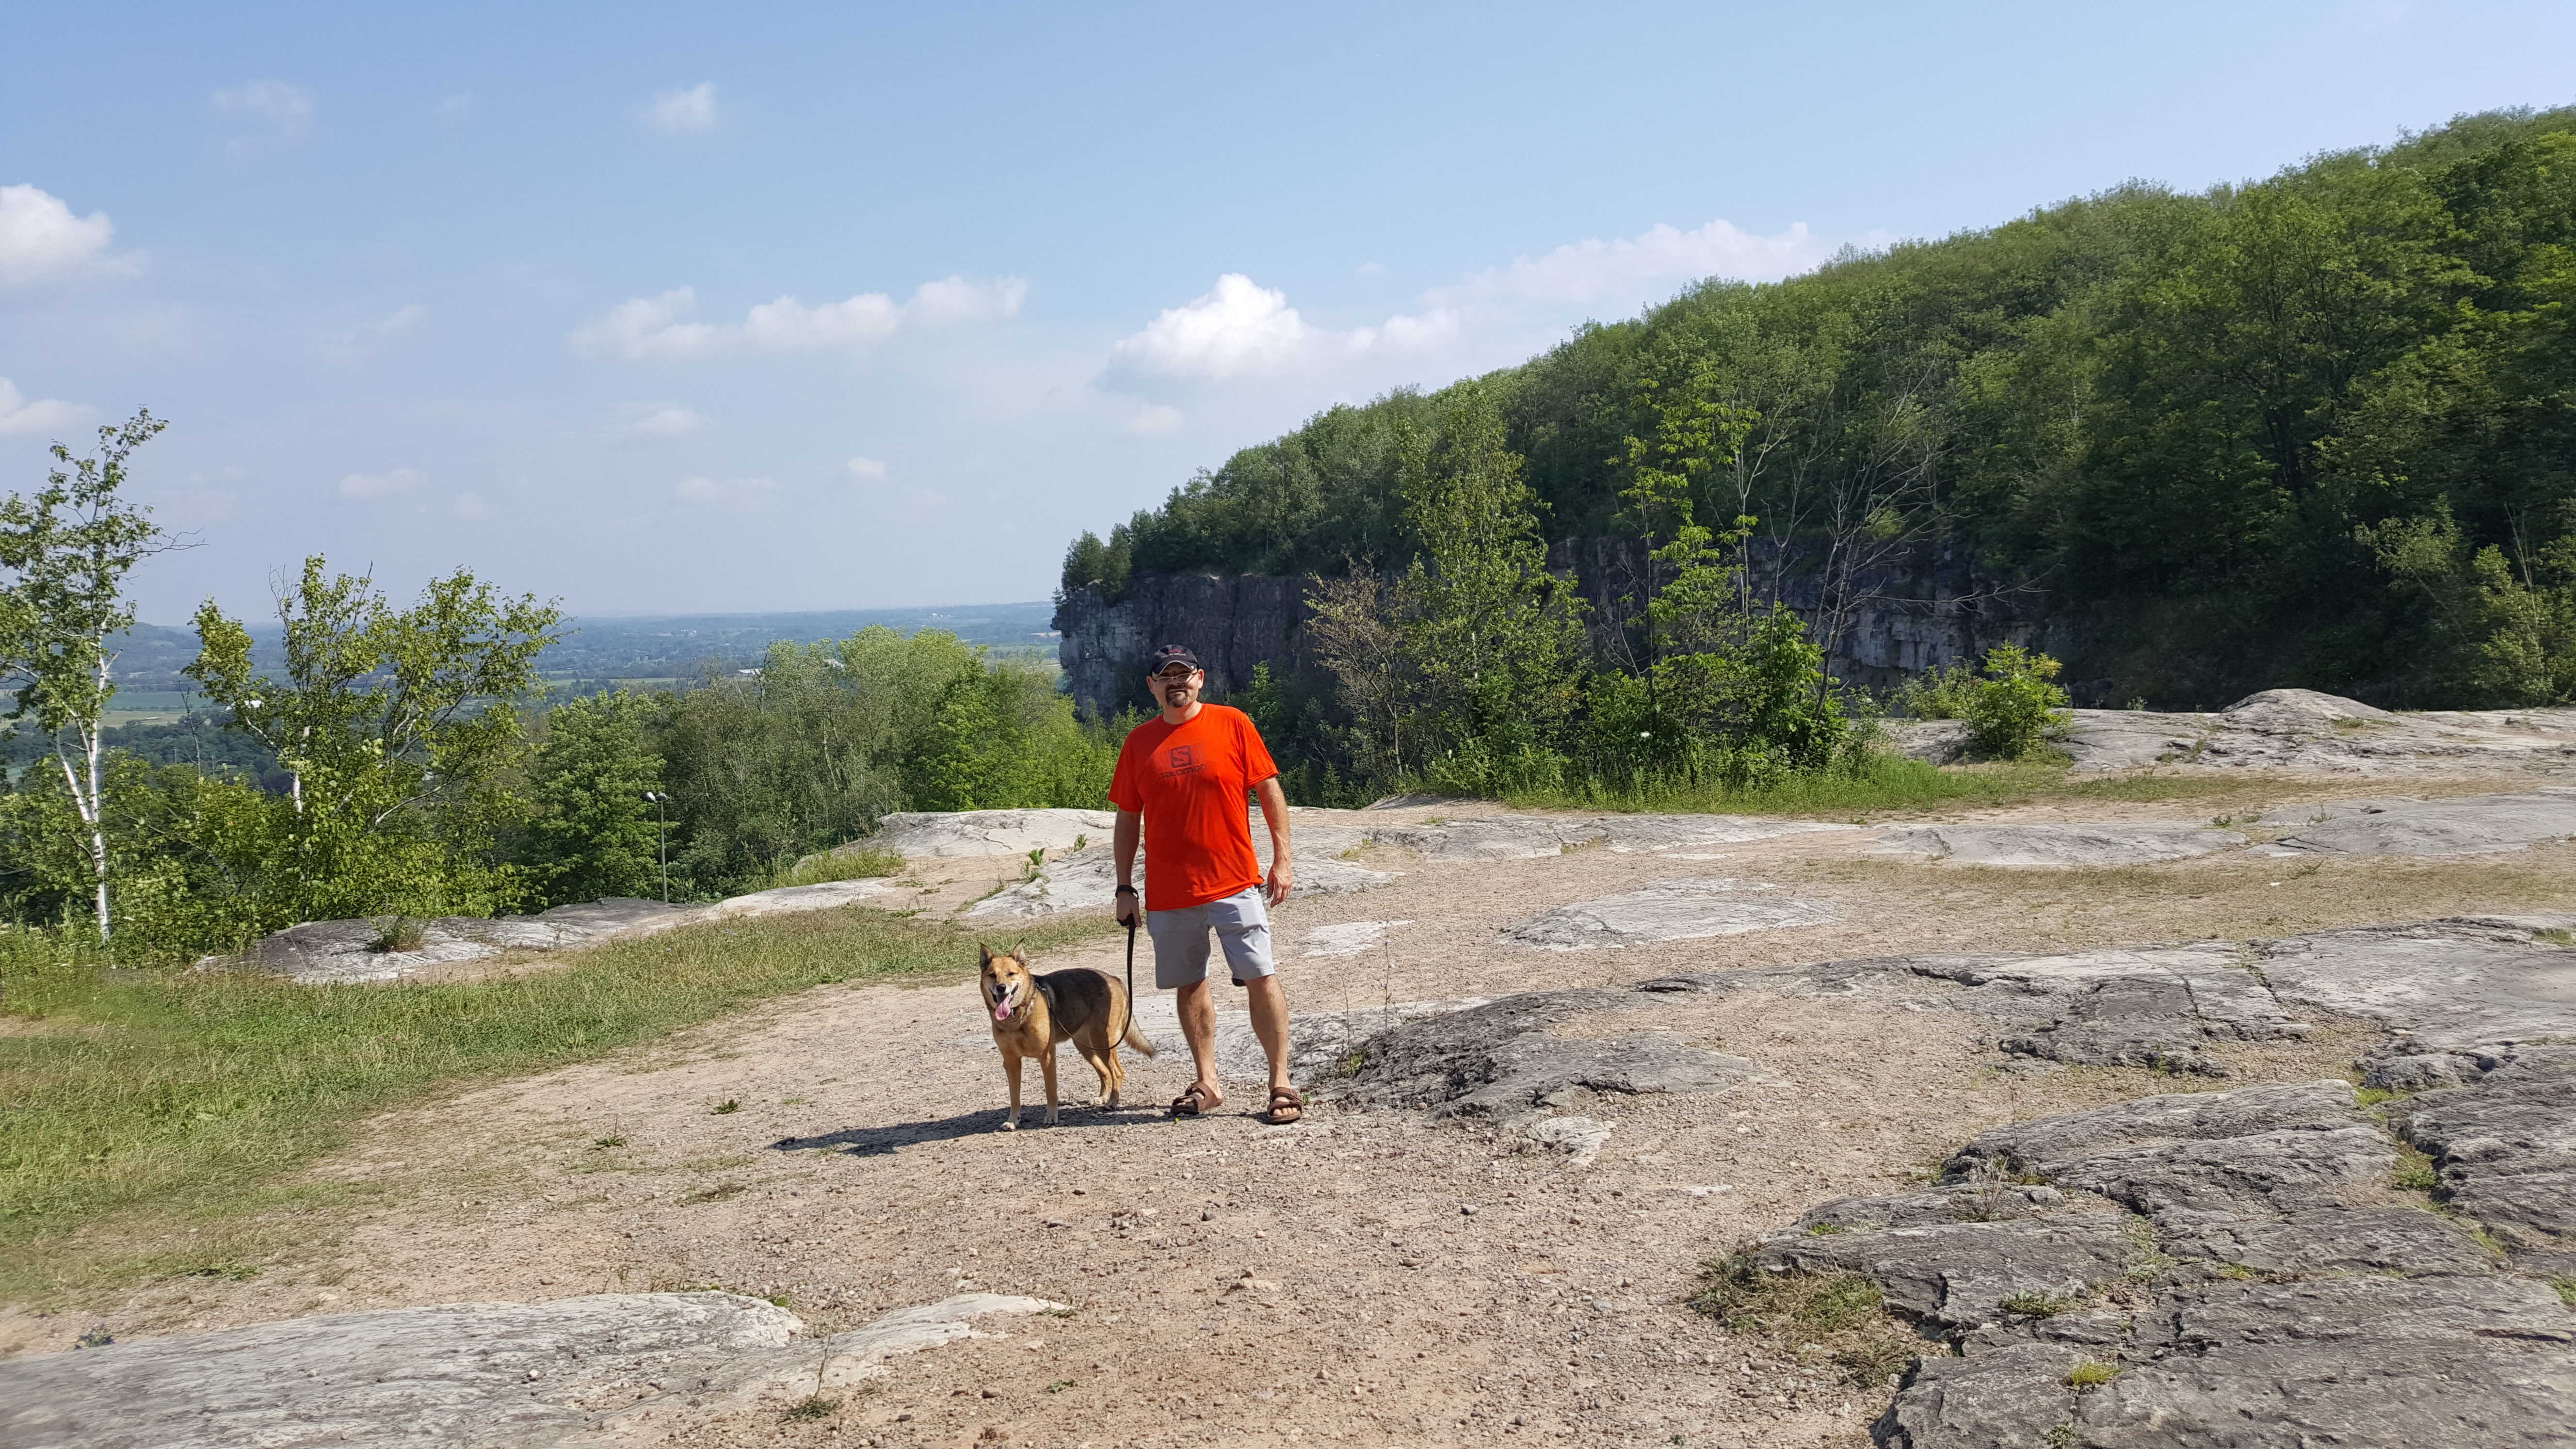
1033,1014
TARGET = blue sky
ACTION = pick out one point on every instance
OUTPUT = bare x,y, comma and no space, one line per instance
665,309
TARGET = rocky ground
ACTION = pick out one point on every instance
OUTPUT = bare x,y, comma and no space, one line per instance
2237,1118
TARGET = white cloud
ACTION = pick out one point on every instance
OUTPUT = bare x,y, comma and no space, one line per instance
684,112
1241,328
286,111
1628,270
460,104
867,470
37,415
39,236
649,328
366,340
1371,269
467,505
380,485
1153,420
726,490
662,420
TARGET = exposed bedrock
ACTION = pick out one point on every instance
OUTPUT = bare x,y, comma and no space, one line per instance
2279,1292
2467,825
2295,729
1667,910
1500,1061
2057,846
607,1369
321,953
2504,1147
2224,1267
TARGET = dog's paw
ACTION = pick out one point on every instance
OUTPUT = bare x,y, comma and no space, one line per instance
1011,1126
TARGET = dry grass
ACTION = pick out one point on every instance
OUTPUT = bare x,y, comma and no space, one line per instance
1836,1316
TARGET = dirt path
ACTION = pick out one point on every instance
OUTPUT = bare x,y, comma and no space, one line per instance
1368,1276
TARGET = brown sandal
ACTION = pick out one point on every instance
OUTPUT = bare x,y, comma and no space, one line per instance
1285,1107
1195,1102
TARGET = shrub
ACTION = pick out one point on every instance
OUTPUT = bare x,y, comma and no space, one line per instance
2016,706
1946,692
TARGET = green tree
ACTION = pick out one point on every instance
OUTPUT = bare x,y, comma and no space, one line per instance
1495,640
68,550
593,834
398,727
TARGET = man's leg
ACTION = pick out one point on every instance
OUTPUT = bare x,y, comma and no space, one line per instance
1181,966
1197,1010
1269,1005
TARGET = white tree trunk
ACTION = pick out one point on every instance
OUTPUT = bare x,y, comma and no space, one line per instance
85,803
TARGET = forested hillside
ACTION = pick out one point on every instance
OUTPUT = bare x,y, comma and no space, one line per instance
2315,430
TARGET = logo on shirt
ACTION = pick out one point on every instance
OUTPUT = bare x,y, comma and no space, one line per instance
1181,761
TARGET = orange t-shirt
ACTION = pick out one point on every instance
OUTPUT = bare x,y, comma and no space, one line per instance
1188,782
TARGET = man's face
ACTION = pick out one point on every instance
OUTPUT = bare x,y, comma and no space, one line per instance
1177,686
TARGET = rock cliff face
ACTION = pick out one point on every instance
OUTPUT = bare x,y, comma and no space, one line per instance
1232,622
1921,610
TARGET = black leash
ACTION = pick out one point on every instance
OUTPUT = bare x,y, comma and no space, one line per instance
1131,988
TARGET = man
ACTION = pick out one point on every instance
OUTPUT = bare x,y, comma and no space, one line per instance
1180,781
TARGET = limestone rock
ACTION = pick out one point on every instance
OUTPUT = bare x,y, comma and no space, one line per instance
1496,1061
1667,910
1491,837
343,952
2060,846
1956,1275
2311,1242
2451,985
2505,1146
599,1370
1656,834
2294,729
2471,825
919,834
2156,1008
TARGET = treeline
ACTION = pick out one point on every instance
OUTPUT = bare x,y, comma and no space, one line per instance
2317,430
402,761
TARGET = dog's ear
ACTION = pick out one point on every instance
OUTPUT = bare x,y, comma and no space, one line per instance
987,952
1020,954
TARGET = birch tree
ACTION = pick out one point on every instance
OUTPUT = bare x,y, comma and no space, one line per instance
66,552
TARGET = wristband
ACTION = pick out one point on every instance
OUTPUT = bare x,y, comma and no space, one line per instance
1124,891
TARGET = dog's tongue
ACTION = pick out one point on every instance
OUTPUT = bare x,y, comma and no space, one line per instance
1002,1011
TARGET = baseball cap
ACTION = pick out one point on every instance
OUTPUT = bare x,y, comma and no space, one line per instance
1171,654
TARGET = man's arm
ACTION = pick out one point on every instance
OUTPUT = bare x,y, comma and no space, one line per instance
1274,813
1122,849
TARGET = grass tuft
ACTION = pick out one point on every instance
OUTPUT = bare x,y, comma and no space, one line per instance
1840,1314
2091,1374
810,1408
2415,1170
399,933
850,862
2036,1305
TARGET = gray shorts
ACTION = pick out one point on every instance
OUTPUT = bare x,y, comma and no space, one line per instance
1241,923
